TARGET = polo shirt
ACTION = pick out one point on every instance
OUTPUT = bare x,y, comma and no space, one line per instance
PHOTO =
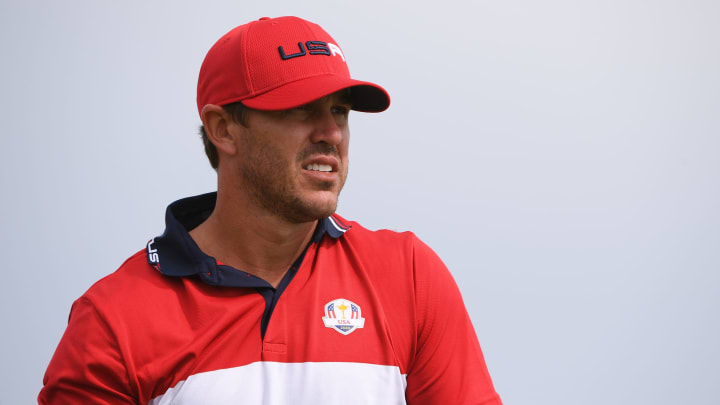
361,317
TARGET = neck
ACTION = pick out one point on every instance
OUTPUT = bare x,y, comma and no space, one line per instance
251,239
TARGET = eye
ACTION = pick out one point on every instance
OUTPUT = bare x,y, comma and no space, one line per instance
300,112
305,107
341,110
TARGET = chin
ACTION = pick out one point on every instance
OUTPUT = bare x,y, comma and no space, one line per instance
311,209
322,209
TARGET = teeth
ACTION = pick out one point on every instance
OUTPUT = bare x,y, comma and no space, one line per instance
318,168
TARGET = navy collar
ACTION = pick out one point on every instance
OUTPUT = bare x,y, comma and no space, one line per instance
174,253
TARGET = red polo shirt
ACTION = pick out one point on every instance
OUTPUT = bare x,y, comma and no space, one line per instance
361,317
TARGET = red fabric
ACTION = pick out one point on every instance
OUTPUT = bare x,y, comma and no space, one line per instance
246,65
137,333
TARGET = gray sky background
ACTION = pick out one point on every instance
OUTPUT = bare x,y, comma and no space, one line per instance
560,156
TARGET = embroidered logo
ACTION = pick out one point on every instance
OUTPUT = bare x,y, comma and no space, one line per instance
152,254
343,316
313,48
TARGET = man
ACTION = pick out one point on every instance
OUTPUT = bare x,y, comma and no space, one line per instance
260,293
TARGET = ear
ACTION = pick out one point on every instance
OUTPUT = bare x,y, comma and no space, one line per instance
219,128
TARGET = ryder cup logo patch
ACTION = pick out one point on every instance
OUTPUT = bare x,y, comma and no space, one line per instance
343,316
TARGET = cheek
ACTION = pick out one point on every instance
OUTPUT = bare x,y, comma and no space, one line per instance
279,153
344,146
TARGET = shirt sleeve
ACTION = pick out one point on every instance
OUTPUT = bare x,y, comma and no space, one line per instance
87,367
448,366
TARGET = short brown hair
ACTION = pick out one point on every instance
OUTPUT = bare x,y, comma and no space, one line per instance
237,112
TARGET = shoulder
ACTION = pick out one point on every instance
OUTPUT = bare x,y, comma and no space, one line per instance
391,258
133,284
133,270
390,245
381,238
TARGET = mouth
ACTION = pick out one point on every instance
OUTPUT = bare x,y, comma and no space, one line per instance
321,164
322,171
317,167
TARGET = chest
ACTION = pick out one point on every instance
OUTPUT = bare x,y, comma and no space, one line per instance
331,332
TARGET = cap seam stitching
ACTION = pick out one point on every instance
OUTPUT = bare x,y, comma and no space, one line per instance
245,57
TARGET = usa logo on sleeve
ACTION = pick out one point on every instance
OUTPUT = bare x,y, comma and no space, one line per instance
343,316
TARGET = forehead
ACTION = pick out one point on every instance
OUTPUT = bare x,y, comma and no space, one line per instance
285,117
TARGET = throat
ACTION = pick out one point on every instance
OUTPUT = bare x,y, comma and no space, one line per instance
264,252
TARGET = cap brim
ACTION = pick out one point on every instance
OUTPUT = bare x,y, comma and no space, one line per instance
365,96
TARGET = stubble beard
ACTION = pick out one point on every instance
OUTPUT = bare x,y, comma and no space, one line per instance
271,185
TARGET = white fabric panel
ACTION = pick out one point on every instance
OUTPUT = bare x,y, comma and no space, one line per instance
272,383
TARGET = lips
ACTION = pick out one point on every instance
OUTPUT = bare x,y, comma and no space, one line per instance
321,164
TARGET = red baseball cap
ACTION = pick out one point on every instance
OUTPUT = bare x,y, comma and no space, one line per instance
280,63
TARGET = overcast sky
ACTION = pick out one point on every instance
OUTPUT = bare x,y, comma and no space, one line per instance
560,156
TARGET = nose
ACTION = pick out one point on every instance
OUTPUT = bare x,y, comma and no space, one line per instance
328,128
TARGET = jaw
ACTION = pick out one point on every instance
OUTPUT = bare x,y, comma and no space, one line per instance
320,190
320,193
306,206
